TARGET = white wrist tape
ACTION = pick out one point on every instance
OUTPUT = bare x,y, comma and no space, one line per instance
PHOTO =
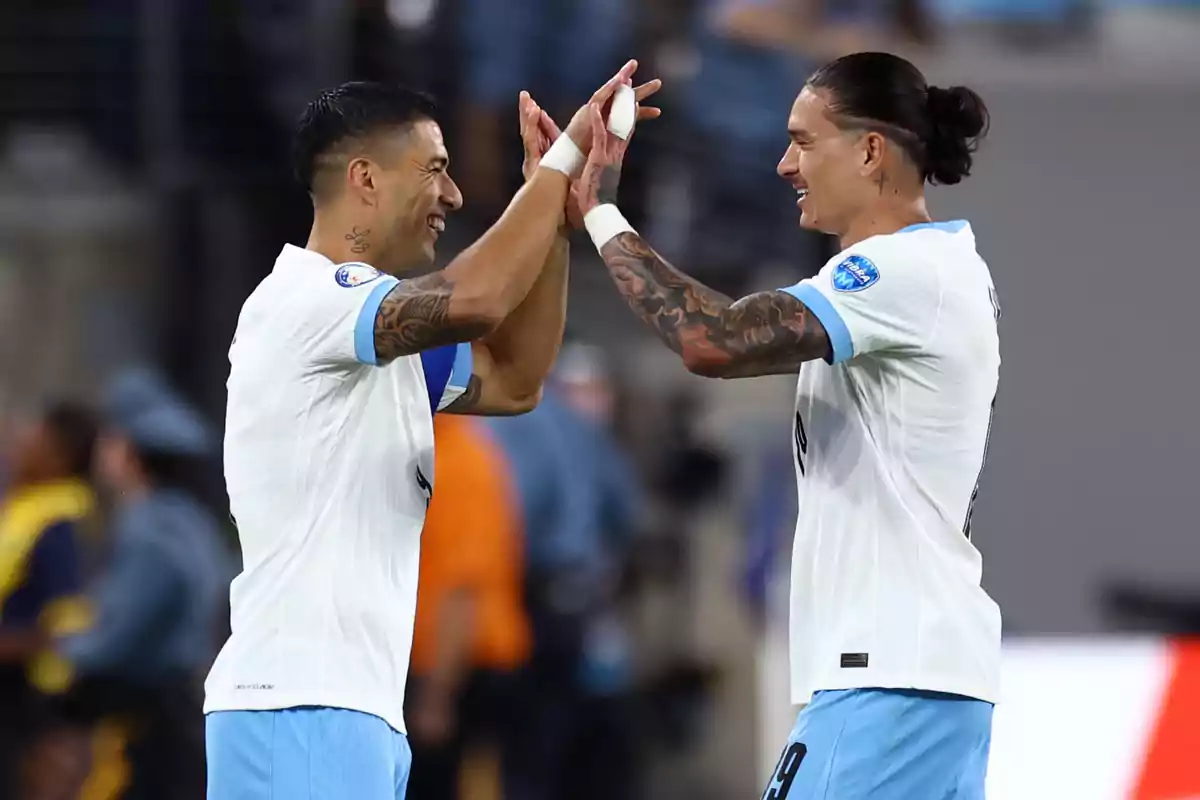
563,156
604,223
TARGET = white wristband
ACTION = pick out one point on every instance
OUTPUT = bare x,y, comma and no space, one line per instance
604,223
565,157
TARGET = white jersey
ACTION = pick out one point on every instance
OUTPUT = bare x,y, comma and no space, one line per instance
329,468
890,440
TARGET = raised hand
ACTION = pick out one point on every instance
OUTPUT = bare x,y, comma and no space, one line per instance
538,132
602,174
580,126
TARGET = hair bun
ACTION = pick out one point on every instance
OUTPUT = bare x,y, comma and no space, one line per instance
958,121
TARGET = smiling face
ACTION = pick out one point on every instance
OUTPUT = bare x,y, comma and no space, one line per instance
413,193
832,169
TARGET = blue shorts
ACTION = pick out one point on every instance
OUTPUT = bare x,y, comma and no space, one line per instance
304,754
885,744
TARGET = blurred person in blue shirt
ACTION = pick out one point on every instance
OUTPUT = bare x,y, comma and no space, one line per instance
581,505
44,507
158,604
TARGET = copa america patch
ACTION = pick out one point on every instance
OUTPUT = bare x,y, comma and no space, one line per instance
351,275
854,274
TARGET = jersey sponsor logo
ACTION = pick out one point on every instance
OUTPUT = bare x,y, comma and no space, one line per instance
351,275
854,274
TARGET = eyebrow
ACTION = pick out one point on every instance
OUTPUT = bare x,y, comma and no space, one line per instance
439,161
799,133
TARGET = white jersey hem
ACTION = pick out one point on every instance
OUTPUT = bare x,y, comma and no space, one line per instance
283,702
968,689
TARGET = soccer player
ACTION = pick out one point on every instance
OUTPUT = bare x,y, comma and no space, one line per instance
336,369
894,645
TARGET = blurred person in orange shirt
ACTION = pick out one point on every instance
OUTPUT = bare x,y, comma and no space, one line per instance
471,633
582,506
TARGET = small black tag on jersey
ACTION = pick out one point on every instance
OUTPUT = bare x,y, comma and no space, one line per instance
854,660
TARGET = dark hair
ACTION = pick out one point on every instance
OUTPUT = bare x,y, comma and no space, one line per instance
939,128
73,429
352,111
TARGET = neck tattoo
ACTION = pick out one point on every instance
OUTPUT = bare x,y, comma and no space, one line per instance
361,245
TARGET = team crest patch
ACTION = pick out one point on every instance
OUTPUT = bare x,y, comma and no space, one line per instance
351,275
854,274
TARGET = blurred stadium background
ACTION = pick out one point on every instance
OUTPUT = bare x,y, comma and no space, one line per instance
144,190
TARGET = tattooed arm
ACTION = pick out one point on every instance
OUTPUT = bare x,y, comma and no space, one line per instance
475,293
511,363
471,297
762,334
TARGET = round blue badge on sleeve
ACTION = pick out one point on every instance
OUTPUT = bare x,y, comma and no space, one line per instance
351,275
854,274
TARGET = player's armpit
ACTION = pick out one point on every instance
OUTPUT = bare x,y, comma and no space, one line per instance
487,394
762,334
423,313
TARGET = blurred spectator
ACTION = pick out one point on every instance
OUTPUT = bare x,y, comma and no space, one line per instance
580,502
157,604
754,56
559,51
471,634
40,574
770,510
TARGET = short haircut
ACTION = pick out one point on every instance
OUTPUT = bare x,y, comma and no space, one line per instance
348,113
73,429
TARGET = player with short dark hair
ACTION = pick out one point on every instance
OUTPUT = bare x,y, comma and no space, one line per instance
336,370
895,647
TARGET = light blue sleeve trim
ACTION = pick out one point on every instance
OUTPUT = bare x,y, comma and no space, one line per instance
835,328
364,326
460,374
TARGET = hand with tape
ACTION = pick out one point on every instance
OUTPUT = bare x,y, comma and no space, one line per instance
597,184
569,153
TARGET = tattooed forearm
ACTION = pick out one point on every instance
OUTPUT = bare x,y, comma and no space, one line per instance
361,243
762,334
416,316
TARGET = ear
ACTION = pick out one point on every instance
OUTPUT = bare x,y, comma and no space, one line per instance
360,175
873,145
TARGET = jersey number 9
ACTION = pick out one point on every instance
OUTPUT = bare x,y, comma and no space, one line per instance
785,772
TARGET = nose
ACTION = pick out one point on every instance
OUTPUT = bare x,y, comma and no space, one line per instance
451,195
789,166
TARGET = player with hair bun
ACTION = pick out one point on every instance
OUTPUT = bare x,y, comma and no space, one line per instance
895,647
